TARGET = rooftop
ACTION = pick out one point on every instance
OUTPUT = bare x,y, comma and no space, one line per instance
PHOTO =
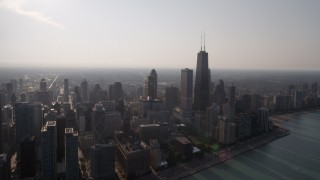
51,123
29,138
69,130
149,125
3,157
183,140
130,142
99,146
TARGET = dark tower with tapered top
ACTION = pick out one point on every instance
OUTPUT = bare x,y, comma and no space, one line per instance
151,85
201,89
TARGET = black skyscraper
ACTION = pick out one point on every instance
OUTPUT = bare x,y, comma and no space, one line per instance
28,157
201,89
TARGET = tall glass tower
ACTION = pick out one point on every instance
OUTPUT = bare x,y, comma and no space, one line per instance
201,89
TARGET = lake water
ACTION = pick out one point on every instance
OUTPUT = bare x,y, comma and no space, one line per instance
296,156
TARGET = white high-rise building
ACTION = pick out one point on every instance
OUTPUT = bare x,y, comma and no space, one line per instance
226,131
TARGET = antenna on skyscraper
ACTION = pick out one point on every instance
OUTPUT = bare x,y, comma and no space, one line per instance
204,41
201,42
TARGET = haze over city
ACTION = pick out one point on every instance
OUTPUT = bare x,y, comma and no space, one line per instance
159,90
163,34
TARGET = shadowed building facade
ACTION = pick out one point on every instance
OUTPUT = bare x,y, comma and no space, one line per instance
49,150
66,90
71,154
201,89
186,89
151,85
84,91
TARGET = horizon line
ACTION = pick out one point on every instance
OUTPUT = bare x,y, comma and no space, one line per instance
160,68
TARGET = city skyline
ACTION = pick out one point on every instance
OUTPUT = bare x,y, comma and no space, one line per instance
239,35
130,129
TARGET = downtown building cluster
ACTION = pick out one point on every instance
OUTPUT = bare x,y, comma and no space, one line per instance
92,132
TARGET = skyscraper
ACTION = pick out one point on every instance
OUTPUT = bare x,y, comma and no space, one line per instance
98,94
201,89
264,123
99,125
50,116
226,131
24,116
186,95
314,88
77,95
66,90
71,154
102,162
4,167
298,97
212,120
115,91
232,103
133,156
113,122
254,102
43,85
172,97
28,157
14,85
3,121
219,95
20,84
60,125
151,85
49,150
84,91
2,99
71,119
6,119
9,88
85,110
37,119
1,141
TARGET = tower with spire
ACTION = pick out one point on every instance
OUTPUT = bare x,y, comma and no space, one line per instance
201,89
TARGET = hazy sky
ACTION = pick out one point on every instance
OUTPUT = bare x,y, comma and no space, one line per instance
246,34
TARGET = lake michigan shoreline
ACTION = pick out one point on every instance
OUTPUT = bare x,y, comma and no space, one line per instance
279,132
